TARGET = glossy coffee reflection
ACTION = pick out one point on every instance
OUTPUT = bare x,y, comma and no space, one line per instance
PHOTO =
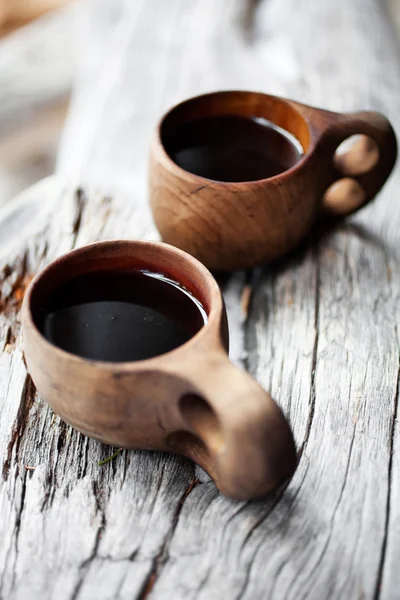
120,316
232,148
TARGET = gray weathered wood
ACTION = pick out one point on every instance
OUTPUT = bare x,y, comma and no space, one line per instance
320,333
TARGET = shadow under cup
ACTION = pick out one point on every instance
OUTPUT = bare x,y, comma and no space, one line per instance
233,141
119,309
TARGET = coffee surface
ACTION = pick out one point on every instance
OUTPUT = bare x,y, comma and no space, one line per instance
120,316
232,148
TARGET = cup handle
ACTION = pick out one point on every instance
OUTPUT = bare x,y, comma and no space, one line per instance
356,176
237,432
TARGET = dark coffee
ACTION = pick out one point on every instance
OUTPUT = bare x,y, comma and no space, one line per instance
231,148
119,316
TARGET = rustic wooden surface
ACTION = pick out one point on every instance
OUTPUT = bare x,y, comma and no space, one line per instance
319,330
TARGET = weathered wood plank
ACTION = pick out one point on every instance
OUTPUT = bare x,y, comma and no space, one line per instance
320,333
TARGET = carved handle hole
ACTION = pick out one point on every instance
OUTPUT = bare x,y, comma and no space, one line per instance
356,155
201,418
344,196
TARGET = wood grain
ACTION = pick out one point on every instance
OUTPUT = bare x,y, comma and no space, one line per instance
320,333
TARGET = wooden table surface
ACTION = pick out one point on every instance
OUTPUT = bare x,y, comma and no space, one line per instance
320,333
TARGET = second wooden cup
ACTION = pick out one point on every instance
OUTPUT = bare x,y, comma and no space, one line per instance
238,178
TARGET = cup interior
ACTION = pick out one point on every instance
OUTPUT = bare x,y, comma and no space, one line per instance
168,282
234,136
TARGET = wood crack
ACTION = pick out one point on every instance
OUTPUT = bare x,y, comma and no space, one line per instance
9,340
84,567
16,537
80,201
249,534
198,189
160,559
18,527
332,519
256,526
27,400
314,360
13,284
379,579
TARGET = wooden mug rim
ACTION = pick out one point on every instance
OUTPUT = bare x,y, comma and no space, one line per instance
210,297
262,98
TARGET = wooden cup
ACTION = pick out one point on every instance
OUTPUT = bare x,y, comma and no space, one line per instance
192,400
230,225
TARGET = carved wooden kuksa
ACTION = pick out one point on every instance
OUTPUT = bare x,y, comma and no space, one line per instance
236,225
192,400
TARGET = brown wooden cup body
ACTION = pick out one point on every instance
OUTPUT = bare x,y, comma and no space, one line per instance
230,225
191,400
